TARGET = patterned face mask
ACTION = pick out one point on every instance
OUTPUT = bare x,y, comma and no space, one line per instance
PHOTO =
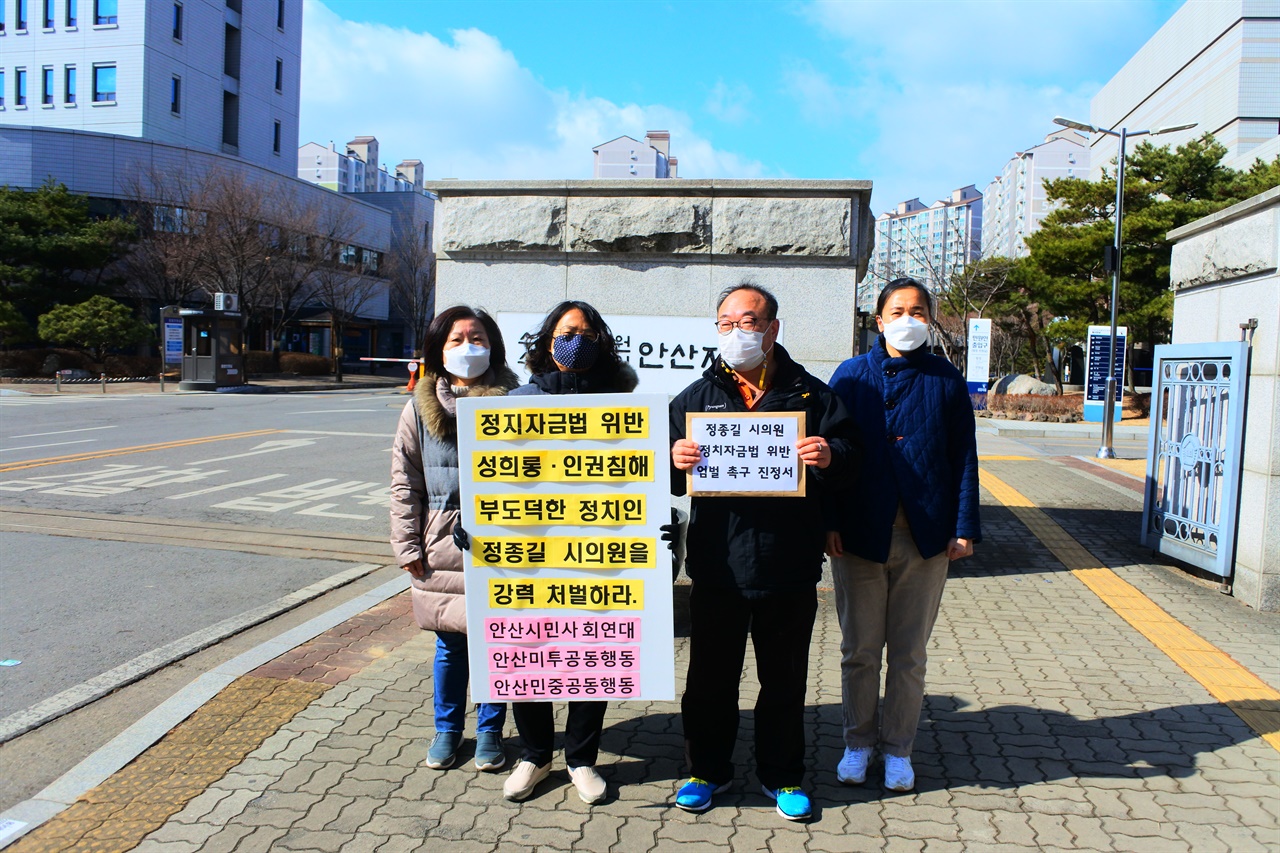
575,352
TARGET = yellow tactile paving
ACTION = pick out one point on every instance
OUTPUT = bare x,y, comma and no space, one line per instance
1251,698
1133,467
138,799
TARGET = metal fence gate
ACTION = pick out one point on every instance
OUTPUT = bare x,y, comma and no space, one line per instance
1195,452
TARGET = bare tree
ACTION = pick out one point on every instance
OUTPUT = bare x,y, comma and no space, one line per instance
411,269
347,279
238,239
295,259
164,265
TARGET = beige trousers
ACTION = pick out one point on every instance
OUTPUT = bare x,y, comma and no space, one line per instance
893,606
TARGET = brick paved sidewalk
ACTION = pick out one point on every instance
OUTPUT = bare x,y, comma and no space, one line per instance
1051,723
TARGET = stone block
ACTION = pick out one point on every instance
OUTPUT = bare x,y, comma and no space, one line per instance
1195,316
813,227
645,288
502,224
505,285
1261,425
655,224
814,303
1259,299
1235,249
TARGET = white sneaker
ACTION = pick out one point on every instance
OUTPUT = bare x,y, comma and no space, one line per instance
853,767
523,779
590,784
898,775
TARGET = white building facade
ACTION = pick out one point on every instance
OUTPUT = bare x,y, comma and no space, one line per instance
624,157
214,75
1214,62
1014,203
928,243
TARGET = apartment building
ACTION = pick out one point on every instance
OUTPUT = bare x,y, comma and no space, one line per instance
356,168
929,243
625,158
1214,62
213,75
1014,203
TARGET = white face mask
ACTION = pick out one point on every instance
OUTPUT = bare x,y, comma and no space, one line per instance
906,333
742,350
466,361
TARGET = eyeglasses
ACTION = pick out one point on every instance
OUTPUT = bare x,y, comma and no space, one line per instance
746,324
572,333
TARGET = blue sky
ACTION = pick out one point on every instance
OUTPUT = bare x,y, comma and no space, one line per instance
920,97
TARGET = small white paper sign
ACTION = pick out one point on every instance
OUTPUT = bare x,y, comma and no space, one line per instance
746,454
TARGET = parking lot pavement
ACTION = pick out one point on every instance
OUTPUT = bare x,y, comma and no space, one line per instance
1079,698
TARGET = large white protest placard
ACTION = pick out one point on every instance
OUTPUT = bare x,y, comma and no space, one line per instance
667,353
567,581
746,453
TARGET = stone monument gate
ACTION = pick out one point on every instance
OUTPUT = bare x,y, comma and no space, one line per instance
652,255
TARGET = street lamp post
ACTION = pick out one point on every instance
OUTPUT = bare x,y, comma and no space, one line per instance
1105,450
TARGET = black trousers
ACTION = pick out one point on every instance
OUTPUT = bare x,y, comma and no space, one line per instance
535,721
780,627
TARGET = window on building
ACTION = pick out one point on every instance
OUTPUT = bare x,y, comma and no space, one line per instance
275,137
279,75
71,13
104,83
20,18
233,5
20,87
48,14
46,86
279,14
175,96
177,21
1,86
69,85
1,17
105,11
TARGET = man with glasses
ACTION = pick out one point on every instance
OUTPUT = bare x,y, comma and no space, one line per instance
755,561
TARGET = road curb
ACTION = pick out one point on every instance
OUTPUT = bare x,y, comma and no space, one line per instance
1035,429
143,665
140,736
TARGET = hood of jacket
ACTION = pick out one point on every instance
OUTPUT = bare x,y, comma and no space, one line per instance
598,380
496,382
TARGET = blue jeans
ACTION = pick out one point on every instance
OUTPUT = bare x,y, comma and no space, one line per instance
451,688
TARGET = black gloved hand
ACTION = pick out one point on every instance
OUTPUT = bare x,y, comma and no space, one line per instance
460,537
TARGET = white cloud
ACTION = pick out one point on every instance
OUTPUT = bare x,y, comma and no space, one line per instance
468,108
939,94
729,103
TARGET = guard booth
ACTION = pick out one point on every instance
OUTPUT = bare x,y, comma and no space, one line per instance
212,345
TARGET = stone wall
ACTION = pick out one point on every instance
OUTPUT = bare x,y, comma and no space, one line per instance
659,248
1226,271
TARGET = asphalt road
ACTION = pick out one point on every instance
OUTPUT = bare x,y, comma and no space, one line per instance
129,522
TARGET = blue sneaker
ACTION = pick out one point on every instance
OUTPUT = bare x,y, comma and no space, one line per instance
695,795
793,803
444,750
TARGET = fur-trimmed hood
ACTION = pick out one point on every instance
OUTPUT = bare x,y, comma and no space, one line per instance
497,381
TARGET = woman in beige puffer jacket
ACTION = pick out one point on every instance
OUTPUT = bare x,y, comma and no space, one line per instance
463,355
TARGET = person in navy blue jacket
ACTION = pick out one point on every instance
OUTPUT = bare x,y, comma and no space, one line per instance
893,535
